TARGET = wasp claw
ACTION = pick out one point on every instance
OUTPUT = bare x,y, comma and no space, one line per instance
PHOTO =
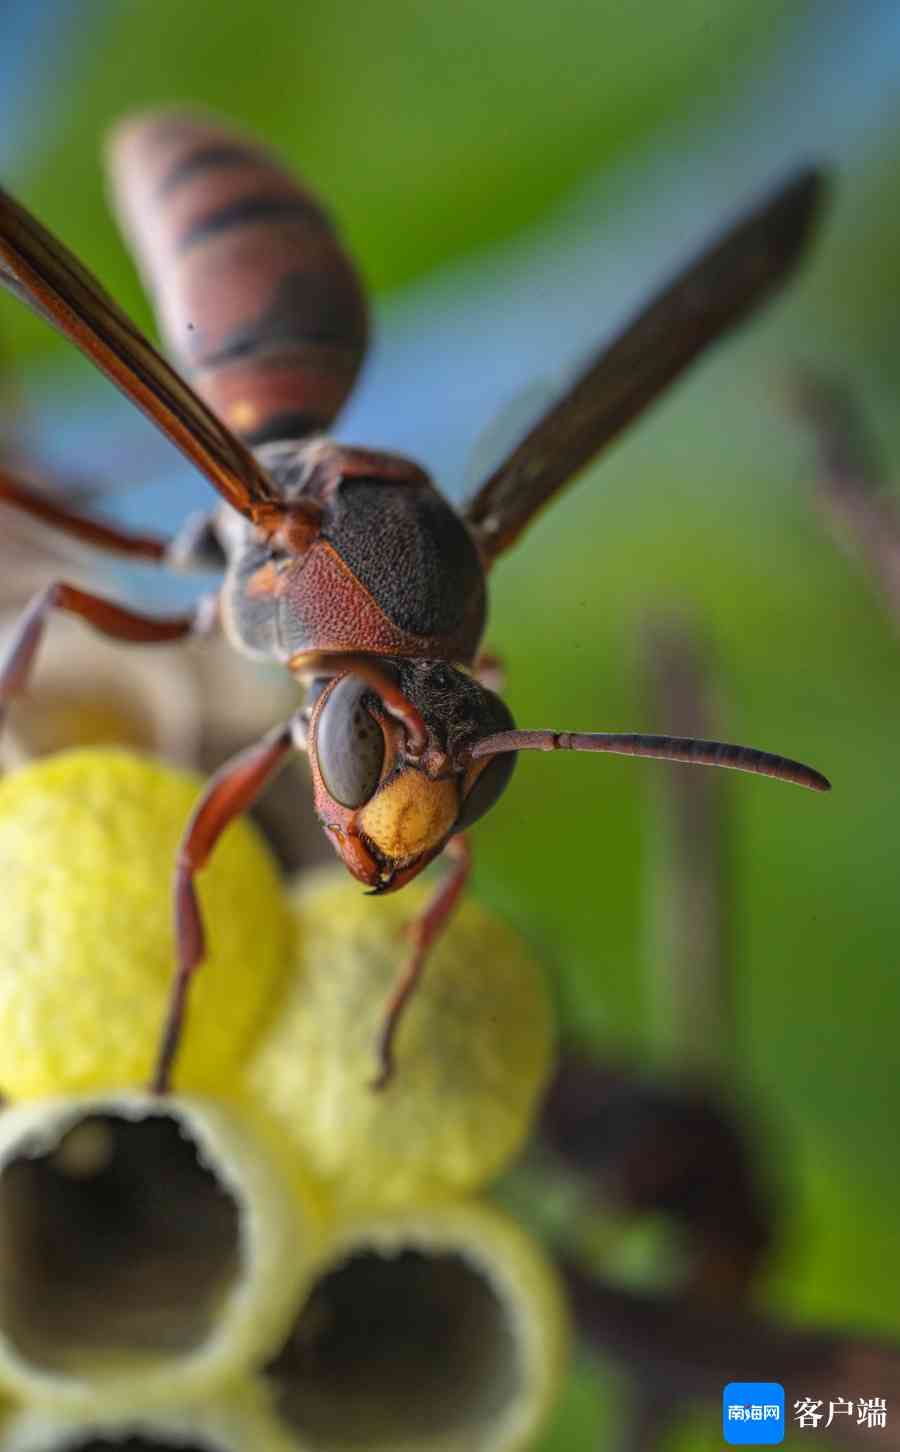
382,1078
386,1061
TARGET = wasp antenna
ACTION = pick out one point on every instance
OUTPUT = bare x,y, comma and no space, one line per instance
666,748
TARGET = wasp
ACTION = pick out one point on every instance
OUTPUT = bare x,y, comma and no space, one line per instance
344,565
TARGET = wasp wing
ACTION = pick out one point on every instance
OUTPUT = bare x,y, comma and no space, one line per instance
713,293
46,276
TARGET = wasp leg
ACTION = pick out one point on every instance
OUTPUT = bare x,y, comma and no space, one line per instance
233,789
195,546
116,621
98,532
423,931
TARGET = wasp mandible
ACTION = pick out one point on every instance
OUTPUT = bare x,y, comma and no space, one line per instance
344,565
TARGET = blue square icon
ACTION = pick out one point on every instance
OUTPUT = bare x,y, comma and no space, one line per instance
753,1413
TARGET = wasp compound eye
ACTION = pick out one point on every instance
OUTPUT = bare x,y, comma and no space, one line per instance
349,744
488,788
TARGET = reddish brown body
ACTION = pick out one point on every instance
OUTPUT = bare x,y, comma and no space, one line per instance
259,303
254,294
343,564
376,560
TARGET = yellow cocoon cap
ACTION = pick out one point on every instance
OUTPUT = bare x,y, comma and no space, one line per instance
150,1250
472,1052
87,854
440,1329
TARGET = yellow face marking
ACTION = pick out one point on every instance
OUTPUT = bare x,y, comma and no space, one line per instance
410,815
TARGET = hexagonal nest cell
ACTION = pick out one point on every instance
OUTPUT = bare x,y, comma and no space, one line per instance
116,1243
393,1349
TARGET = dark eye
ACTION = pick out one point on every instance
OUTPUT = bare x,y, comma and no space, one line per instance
349,744
489,786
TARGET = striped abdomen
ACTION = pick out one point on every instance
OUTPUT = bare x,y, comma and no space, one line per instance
255,297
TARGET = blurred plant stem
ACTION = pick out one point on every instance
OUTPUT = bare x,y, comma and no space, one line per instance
13,412
682,1352
850,485
690,1007
667,1144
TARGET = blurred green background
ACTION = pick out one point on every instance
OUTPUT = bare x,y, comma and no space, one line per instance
513,177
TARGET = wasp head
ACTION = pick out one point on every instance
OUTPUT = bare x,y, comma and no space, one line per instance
389,804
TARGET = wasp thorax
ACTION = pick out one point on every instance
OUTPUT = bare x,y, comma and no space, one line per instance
349,744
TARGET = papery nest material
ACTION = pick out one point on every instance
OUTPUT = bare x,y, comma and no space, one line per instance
151,1250
433,1329
239,1420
